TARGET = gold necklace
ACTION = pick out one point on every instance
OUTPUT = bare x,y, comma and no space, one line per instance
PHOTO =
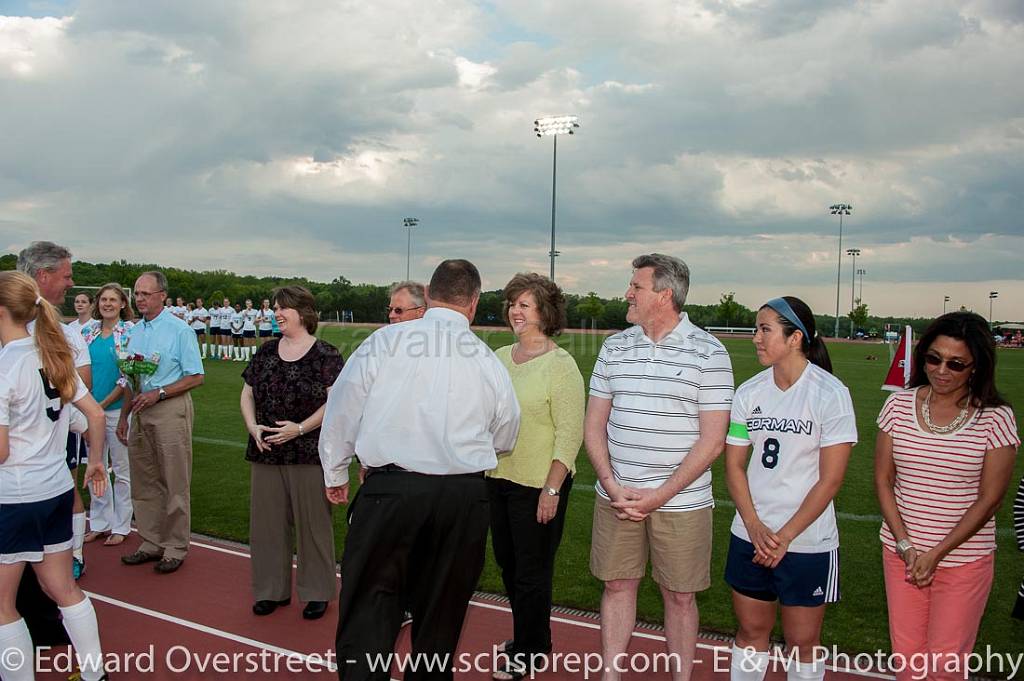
926,414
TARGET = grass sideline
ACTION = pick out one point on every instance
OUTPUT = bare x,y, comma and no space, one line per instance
220,499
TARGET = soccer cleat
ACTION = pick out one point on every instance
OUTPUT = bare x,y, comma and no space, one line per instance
77,568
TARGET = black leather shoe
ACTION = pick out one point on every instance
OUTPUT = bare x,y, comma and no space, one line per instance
314,610
266,607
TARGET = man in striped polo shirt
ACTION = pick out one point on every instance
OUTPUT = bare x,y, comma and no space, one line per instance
659,406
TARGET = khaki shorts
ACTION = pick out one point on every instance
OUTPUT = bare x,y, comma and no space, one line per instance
679,545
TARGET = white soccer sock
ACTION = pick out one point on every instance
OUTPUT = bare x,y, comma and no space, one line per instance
78,534
17,662
238,352
203,350
748,664
806,671
248,353
84,632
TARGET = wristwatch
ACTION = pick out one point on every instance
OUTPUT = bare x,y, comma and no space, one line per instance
552,492
902,546
163,395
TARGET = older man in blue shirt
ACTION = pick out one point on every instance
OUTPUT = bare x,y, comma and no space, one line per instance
160,436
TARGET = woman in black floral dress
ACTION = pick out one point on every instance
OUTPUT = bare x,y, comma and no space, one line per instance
283,402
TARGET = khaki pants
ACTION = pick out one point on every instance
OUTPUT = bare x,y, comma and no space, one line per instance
286,499
160,460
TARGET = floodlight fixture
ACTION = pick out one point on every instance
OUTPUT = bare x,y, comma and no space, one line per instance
409,223
839,209
553,126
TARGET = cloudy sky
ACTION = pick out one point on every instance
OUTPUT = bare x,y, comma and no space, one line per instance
284,137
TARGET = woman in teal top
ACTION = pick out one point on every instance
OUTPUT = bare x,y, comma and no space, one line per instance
529,490
110,516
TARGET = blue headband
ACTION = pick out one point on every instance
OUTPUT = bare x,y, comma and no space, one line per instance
783,308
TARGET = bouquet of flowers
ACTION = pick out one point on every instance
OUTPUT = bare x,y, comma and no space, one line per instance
135,367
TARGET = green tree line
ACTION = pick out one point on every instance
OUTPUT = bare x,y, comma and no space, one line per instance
368,302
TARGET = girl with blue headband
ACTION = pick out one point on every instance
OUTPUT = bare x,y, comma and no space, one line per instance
798,419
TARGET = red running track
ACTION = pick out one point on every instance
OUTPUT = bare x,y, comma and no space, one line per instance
197,624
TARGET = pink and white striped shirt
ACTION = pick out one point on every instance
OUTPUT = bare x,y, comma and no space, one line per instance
938,476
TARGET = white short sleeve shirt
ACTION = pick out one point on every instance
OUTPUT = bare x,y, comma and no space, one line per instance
787,430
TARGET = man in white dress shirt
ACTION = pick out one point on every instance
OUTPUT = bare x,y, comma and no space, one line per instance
426,405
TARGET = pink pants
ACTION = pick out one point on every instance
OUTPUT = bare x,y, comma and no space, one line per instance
939,621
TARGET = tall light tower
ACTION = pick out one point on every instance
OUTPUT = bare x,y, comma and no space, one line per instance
409,223
553,126
992,295
861,273
853,282
945,299
839,209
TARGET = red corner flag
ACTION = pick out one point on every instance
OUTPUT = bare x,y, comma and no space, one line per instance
899,373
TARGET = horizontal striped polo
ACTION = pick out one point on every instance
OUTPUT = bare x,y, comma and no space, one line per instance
658,391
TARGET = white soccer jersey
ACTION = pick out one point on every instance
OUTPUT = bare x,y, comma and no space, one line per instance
79,350
787,430
249,319
237,322
215,314
37,426
264,320
199,317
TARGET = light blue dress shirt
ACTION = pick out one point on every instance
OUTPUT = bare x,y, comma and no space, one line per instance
176,344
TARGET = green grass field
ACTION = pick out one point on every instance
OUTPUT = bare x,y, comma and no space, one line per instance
220,500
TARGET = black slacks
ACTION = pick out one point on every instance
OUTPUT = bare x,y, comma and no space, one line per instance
525,551
409,534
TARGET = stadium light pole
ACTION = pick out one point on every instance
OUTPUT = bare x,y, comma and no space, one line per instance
992,295
861,273
553,126
839,209
409,223
945,299
853,282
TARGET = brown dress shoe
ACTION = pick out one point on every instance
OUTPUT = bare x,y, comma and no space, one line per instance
140,557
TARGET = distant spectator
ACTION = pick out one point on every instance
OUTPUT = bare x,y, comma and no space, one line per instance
83,311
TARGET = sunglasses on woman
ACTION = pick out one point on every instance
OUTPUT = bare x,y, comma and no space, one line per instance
954,365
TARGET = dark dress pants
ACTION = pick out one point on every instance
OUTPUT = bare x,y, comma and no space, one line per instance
409,533
525,551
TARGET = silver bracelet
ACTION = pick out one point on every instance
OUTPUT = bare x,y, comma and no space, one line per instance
300,429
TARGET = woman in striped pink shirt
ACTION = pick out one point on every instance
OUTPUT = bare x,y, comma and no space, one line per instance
943,461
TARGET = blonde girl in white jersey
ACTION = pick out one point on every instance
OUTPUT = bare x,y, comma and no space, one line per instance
784,549
37,381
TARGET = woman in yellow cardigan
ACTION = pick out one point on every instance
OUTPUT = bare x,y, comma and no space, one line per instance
529,490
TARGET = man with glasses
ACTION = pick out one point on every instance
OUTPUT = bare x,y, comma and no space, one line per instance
160,443
408,302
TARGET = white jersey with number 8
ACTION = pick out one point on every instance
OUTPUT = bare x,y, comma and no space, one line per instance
787,429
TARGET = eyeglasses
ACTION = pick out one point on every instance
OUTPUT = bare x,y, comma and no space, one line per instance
954,365
400,310
146,294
